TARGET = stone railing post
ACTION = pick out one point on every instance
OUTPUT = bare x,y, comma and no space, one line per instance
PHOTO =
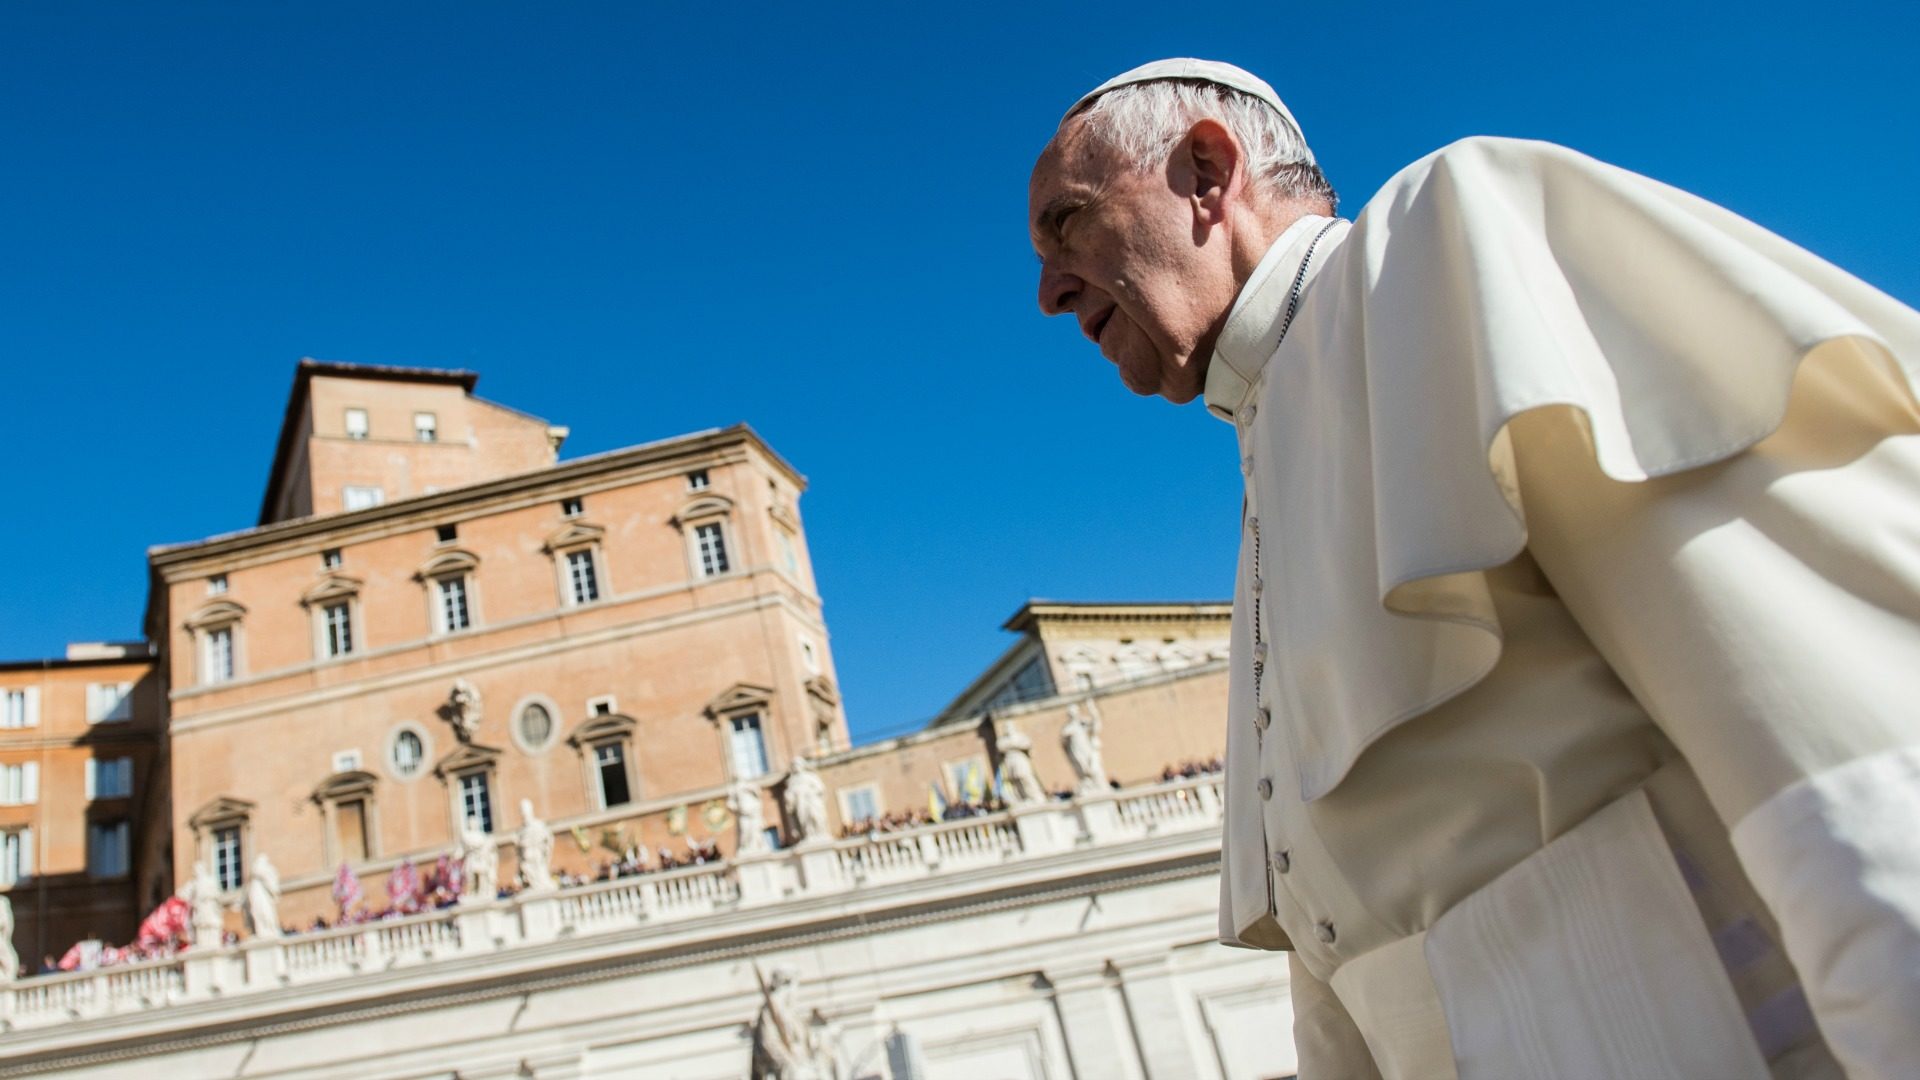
759,878
263,963
203,972
819,868
1044,828
539,915
1207,792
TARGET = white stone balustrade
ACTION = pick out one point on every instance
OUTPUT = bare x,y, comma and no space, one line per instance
969,845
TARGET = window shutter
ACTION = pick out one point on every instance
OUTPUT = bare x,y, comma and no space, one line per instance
26,852
30,782
93,778
125,786
33,706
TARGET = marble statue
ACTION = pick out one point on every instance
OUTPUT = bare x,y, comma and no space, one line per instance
9,960
749,817
1081,740
205,911
785,1045
479,863
263,898
535,842
1019,784
807,802
462,709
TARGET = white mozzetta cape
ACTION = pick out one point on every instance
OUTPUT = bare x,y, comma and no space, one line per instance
1763,607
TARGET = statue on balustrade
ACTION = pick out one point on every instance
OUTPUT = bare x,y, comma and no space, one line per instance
785,1045
479,863
1081,740
263,898
535,842
205,909
9,960
1019,784
750,818
807,802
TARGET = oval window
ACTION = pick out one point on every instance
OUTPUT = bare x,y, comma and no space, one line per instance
536,725
408,752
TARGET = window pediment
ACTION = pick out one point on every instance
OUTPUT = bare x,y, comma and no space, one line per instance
708,506
572,535
224,810
448,561
601,728
345,785
331,587
465,758
739,698
215,613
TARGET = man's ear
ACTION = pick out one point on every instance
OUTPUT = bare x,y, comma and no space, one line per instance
1214,161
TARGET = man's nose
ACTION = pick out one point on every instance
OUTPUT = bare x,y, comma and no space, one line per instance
1057,290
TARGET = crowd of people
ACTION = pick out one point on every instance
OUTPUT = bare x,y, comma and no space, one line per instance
1187,770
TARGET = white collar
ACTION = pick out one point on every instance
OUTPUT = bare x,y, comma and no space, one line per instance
1252,330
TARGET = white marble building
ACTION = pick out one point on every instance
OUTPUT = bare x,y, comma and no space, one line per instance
1062,940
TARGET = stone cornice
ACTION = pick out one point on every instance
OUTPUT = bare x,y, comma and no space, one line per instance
666,457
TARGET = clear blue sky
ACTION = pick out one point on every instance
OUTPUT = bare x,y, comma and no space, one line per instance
640,222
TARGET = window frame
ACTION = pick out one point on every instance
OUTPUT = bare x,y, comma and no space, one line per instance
430,431
372,495
19,869
124,833
335,792
554,718
602,730
846,795
365,431
122,709
222,812
202,628
28,712
420,767
239,857
24,792
95,777
710,510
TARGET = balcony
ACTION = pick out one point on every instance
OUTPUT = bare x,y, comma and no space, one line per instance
995,855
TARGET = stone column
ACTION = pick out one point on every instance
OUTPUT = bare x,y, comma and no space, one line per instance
1153,1007
1098,1043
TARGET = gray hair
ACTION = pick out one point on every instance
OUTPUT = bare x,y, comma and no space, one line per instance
1145,121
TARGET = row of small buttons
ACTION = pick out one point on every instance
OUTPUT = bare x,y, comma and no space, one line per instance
1323,930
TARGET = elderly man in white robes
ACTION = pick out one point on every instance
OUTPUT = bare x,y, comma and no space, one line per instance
1575,695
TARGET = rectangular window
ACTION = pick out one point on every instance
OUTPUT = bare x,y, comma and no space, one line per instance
337,620
16,856
610,762
572,507
20,708
453,604
476,799
601,706
218,662
350,830
713,549
107,848
583,584
356,423
748,748
216,585
861,804
20,784
226,857
446,534
697,480
109,778
330,559
787,553
360,496
109,703
425,427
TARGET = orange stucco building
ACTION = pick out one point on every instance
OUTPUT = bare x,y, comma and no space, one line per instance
436,619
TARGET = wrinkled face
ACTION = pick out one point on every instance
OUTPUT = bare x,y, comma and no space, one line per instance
1131,256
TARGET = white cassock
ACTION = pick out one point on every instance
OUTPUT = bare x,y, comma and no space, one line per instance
1581,561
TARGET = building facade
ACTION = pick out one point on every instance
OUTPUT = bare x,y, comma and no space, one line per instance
439,628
